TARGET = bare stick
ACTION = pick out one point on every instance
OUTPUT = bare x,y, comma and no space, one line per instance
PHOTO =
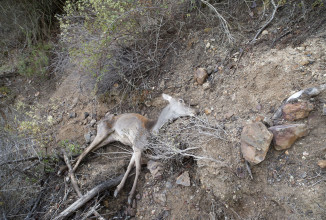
267,23
71,174
21,160
74,182
88,196
224,23
249,170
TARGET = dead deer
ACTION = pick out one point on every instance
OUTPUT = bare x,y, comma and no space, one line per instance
133,130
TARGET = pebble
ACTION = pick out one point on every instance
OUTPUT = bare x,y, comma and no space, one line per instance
92,123
86,114
87,138
183,179
72,115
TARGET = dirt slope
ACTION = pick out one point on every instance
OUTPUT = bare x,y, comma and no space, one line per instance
255,82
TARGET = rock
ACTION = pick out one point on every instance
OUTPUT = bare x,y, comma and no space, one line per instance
324,109
304,61
183,179
210,70
228,115
94,116
322,164
208,45
92,123
87,138
168,185
265,32
207,111
72,115
255,141
159,198
297,110
74,102
200,75
285,135
206,85
86,114
155,168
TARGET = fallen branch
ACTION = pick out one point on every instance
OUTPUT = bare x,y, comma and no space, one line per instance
74,182
267,23
22,160
31,213
88,196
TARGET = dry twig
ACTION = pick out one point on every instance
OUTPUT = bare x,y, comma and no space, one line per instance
74,183
267,23
224,23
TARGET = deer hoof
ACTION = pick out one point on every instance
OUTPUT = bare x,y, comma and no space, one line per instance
129,200
116,191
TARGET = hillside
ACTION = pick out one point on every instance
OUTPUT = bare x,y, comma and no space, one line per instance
247,82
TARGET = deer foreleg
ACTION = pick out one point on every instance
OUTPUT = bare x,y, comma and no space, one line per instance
101,135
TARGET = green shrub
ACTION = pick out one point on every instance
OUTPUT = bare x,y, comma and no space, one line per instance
35,62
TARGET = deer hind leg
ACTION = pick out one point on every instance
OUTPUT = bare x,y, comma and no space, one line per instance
137,155
123,181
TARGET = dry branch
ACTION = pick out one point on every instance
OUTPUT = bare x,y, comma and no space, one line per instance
224,23
74,182
21,160
88,196
267,23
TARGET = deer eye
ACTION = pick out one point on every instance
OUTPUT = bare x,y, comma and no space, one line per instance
181,101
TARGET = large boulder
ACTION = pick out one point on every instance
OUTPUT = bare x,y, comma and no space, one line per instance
285,135
255,142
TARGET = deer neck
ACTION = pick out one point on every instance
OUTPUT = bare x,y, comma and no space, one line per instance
164,117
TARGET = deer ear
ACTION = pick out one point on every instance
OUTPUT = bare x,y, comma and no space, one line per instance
166,97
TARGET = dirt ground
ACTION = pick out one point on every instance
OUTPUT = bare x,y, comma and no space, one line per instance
286,185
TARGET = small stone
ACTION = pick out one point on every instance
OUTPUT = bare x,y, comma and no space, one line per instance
206,85
200,76
304,61
265,32
168,185
228,115
322,164
255,141
297,110
210,70
92,123
207,111
72,115
285,135
155,168
286,152
305,153
183,179
324,109
94,116
87,138
86,114
208,45
159,198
